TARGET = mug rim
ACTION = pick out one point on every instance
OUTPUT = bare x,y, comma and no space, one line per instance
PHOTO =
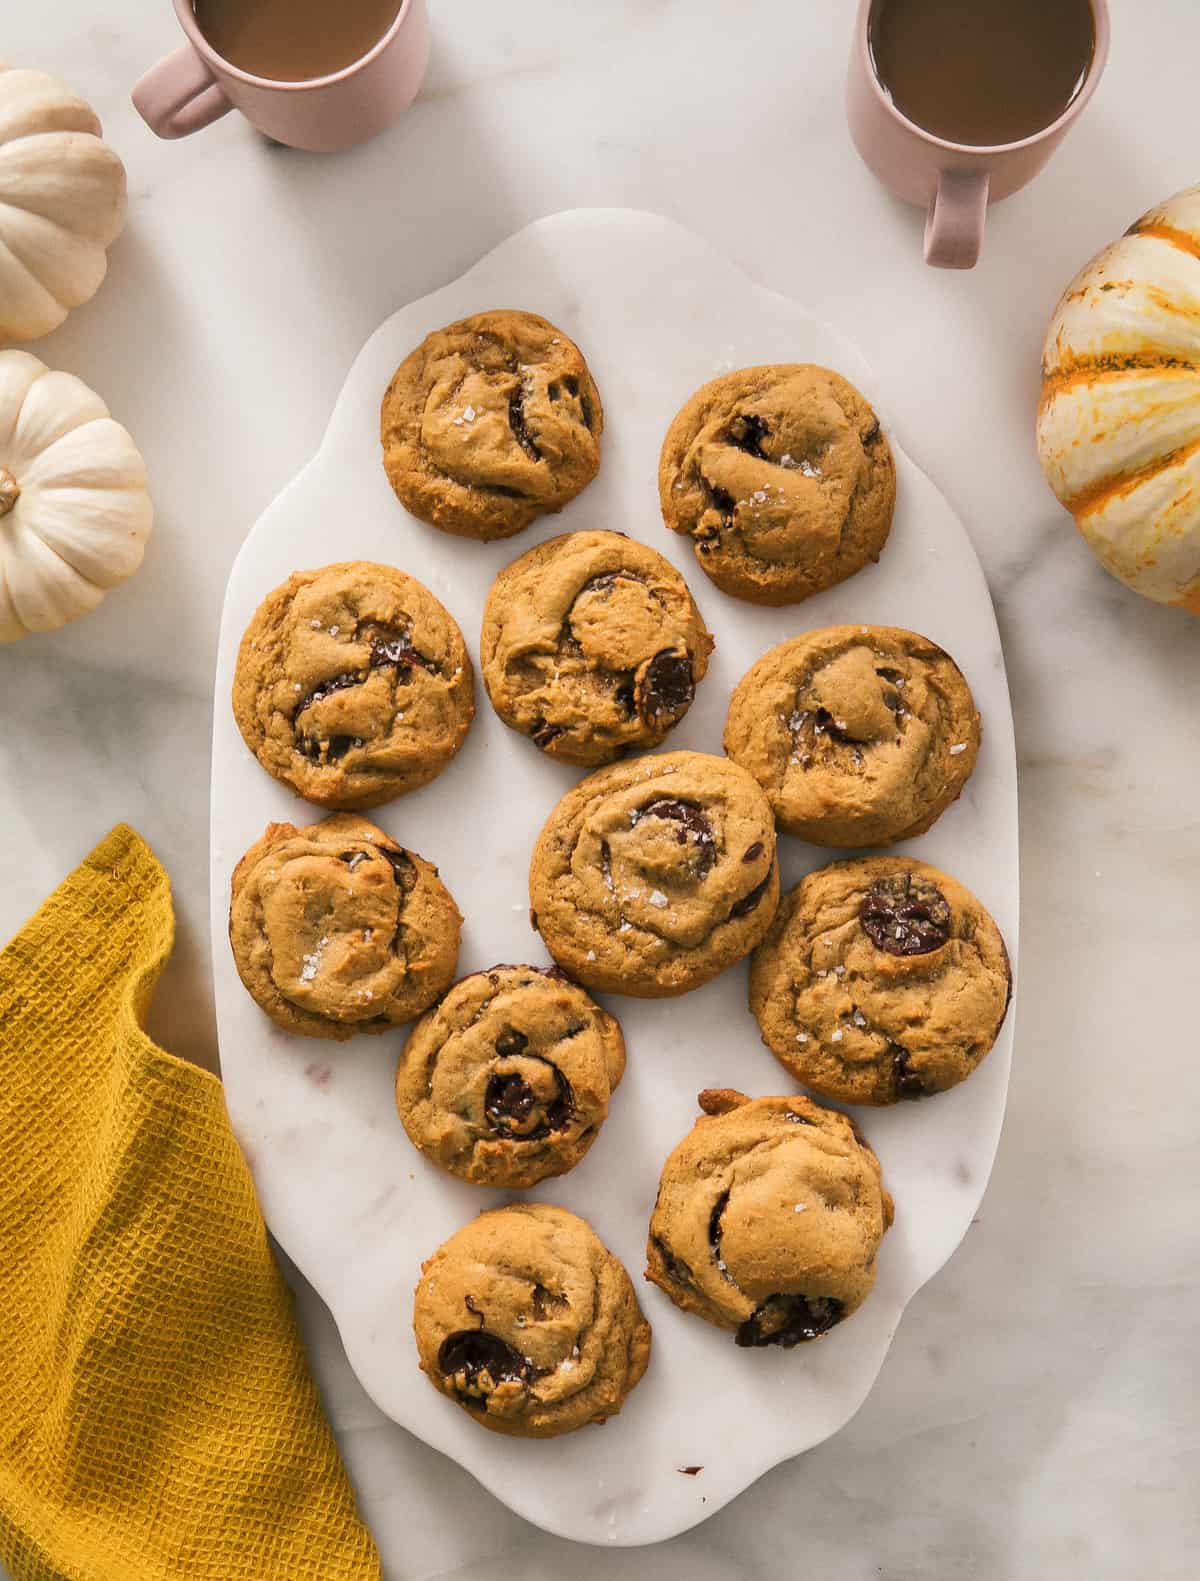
211,57
1101,19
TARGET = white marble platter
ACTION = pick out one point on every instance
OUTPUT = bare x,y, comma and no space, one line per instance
657,312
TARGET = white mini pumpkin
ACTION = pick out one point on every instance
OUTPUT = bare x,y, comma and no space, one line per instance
1119,423
62,202
74,511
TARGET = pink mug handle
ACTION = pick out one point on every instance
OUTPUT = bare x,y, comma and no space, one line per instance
954,226
180,95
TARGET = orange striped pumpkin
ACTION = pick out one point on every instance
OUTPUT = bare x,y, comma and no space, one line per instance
1119,421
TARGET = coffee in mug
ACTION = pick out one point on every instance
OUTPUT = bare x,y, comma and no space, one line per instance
294,40
955,104
982,72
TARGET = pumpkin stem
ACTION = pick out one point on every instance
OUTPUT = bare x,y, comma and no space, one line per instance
10,491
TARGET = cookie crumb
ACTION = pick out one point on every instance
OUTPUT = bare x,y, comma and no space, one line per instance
690,1471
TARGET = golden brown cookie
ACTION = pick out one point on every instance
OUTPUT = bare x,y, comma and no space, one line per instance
526,1320
337,929
353,685
650,877
491,422
592,645
506,1082
880,979
859,735
768,1218
782,478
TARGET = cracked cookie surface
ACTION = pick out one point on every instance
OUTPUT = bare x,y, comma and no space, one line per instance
880,979
592,645
507,1081
768,1219
527,1321
651,877
859,735
336,929
782,478
353,685
491,422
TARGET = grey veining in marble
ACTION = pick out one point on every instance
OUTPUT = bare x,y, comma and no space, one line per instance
1037,1415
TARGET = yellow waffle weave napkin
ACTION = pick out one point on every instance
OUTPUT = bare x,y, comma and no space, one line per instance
157,1416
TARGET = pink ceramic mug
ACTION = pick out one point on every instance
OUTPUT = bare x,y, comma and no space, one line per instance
195,86
954,182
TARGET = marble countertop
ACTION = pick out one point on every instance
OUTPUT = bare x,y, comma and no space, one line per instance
1037,1413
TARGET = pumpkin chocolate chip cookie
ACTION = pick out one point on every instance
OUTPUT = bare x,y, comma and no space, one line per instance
507,1081
489,423
526,1320
592,645
782,478
880,979
768,1220
859,735
353,685
650,877
337,929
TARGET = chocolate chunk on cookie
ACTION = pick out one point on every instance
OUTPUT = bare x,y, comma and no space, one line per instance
529,1323
859,735
880,979
336,929
353,685
489,423
768,1219
592,645
782,478
650,877
507,1081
